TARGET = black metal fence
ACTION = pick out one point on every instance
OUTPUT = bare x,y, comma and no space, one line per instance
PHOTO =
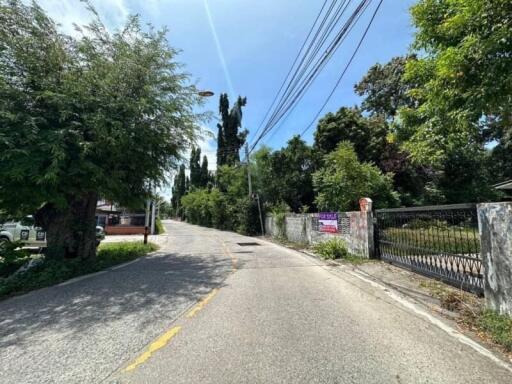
437,241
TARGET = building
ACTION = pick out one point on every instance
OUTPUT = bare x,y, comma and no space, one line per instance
118,220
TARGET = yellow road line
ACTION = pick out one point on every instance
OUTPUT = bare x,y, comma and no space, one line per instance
227,252
153,347
163,340
202,303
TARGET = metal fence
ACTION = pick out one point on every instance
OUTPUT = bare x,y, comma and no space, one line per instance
437,241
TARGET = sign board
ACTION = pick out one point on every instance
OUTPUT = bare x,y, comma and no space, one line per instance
328,222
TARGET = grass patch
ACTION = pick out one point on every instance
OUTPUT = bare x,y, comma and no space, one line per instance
357,260
497,327
487,323
51,272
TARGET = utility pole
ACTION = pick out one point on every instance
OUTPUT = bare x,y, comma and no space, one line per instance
248,168
146,222
257,197
153,213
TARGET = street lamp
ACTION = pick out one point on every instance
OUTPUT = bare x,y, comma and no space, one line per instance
205,93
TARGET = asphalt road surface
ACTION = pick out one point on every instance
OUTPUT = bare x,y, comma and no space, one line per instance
208,309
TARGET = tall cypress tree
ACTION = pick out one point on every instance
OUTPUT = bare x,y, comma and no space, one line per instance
195,168
205,176
179,188
229,139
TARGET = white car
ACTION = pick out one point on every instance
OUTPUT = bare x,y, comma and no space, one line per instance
23,231
31,236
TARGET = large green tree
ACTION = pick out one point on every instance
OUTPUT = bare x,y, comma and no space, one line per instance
286,175
368,135
384,88
463,76
107,114
344,180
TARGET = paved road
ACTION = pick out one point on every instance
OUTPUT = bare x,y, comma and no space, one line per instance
208,310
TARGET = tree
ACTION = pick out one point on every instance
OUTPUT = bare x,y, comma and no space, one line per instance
195,168
103,115
229,138
204,174
464,78
384,88
286,175
368,135
344,180
179,189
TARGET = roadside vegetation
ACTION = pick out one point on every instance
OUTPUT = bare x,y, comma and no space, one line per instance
48,272
335,248
159,227
473,315
425,133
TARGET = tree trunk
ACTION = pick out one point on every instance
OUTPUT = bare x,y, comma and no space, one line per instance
70,232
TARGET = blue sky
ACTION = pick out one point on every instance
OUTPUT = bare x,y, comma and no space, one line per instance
258,41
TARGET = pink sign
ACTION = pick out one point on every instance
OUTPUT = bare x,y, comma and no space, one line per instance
328,222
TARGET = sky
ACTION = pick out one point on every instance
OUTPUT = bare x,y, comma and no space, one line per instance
246,47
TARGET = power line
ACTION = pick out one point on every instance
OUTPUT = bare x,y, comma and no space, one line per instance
320,64
346,67
299,84
293,65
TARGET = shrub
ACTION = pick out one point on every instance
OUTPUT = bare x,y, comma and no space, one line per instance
279,212
12,257
159,226
334,248
248,222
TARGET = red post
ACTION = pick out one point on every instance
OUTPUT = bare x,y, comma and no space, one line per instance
146,232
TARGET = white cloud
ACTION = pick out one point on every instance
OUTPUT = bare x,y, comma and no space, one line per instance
208,145
66,13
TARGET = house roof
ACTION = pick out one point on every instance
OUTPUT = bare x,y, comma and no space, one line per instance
504,185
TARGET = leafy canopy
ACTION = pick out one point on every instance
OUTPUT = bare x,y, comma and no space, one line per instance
108,113
464,78
344,180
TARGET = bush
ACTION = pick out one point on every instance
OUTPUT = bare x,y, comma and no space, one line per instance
248,221
159,226
279,212
212,208
51,272
334,248
12,257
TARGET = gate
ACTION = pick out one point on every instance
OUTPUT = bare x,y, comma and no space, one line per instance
438,241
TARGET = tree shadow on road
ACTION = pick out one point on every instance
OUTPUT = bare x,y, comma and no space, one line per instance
163,285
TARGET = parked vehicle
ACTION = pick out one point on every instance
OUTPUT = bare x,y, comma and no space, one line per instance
26,232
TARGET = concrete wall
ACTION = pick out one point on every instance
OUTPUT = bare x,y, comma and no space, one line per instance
495,227
356,230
